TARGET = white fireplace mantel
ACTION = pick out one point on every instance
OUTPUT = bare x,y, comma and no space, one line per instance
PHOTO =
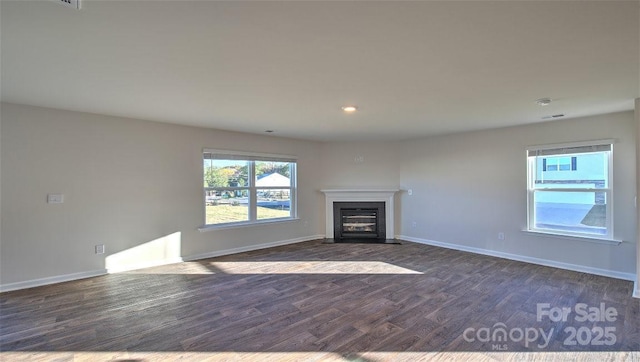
355,195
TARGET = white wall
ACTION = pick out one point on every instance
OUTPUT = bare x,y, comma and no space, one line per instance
361,164
136,187
469,187
369,165
130,184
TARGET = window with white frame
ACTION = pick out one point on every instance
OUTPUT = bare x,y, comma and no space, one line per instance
569,200
244,188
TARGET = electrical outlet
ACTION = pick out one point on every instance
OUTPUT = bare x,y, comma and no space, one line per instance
501,236
100,249
55,198
414,224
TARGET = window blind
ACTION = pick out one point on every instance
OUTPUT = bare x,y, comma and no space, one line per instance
569,150
218,155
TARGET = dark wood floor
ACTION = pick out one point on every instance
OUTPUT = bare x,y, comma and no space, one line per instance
317,301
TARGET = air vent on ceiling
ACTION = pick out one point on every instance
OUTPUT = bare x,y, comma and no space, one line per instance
70,3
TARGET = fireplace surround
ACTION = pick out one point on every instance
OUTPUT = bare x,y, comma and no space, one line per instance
385,196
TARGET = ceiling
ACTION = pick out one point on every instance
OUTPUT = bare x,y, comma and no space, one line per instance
414,69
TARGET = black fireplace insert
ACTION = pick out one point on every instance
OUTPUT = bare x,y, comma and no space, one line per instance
359,220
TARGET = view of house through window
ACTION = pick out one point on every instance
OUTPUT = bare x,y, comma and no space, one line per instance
569,190
248,188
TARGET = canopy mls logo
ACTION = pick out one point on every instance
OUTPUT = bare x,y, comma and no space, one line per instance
499,335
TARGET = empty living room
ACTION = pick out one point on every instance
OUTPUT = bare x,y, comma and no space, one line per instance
319,180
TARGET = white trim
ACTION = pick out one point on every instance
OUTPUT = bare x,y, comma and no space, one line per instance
148,264
636,115
526,259
243,249
568,236
358,191
244,224
51,280
356,195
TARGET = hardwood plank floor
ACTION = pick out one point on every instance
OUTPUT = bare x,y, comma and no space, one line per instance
318,301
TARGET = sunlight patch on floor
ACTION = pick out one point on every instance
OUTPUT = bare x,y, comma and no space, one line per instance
309,267
277,267
177,268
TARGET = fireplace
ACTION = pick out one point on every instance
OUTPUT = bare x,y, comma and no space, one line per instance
359,220
383,196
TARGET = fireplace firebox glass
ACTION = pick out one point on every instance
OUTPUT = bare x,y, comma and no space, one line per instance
359,220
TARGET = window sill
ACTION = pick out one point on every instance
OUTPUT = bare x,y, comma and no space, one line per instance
240,225
593,239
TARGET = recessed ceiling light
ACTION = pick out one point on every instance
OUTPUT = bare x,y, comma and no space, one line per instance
543,101
349,109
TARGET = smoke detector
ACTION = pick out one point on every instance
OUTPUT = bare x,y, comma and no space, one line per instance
75,4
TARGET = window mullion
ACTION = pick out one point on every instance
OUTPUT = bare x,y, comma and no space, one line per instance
293,203
253,198
225,188
572,189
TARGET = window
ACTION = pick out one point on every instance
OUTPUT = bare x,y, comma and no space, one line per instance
244,188
559,164
567,200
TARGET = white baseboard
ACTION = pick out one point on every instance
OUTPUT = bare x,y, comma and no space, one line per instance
148,264
526,259
636,288
51,280
243,249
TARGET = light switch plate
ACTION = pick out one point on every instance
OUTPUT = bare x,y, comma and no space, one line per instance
55,198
